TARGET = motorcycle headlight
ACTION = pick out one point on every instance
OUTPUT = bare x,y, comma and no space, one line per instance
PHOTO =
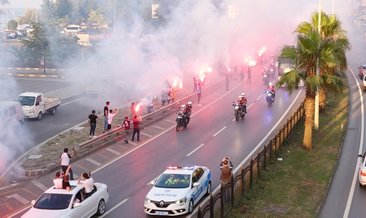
182,201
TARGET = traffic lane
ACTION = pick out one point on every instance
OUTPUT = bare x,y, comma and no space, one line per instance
337,197
160,154
36,85
209,155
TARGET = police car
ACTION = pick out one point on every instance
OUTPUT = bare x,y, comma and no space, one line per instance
177,190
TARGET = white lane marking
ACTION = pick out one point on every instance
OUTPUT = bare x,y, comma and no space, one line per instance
218,132
20,211
93,161
132,143
145,134
39,185
259,97
9,186
352,190
195,149
70,102
250,105
158,127
113,208
113,151
268,134
18,198
170,121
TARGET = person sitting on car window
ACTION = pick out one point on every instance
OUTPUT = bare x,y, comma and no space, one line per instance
88,184
66,183
57,182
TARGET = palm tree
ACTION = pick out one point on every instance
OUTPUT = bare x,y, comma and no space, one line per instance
330,29
309,51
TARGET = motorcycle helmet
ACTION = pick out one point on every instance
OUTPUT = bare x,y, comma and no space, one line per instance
242,94
270,84
183,106
189,103
240,97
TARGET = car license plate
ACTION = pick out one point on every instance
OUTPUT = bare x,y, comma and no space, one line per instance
162,213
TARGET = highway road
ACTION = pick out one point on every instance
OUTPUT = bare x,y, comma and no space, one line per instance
346,198
211,135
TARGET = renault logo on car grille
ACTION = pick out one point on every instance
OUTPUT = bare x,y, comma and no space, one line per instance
161,203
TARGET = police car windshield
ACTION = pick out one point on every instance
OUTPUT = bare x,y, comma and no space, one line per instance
173,181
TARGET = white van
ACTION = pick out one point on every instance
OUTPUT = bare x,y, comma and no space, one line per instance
11,112
72,29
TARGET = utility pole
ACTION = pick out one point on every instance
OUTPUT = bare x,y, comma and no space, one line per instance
316,114
114,16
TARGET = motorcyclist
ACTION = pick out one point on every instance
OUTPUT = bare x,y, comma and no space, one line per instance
184,112
242,100
188,110
271,88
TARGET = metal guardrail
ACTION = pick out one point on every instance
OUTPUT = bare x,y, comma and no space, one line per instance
222,199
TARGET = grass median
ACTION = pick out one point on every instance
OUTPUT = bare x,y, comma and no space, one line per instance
296,185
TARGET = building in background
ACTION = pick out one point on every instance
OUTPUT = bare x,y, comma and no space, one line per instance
7,14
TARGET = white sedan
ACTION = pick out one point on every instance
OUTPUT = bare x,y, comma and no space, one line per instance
178,190
362,170
62,203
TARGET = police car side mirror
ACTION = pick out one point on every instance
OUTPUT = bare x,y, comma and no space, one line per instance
196,184
152,182
33,202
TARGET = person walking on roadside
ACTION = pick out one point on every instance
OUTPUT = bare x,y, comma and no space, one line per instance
111,115
249,76
65,162
93,123
136,127
126,125
199,86
194,84
105,113
227,81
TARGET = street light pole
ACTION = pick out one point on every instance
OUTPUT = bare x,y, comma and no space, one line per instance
114,16
316,115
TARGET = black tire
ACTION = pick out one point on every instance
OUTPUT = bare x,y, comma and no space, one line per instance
101,207
236,115
185,124
190,206
208,191
53,111
40,116
242,115
177,128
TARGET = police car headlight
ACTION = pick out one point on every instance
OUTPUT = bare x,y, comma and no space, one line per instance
147,200
182,201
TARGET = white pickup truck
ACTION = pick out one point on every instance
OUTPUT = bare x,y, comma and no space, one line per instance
34,104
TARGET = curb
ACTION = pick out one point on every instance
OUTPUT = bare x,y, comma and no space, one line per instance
36,75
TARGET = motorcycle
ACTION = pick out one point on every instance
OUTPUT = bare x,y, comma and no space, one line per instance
182,121
238,111
270,97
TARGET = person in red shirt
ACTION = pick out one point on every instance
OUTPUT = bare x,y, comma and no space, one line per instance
136,127
127,127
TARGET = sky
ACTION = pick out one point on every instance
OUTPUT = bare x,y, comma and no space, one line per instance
22,4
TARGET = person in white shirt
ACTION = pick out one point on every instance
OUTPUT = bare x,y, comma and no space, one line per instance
57,182
88,184
65,162
111,115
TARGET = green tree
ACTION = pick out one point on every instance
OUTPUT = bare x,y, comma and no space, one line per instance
35,47
29,17
310,50
12,25
96,18
330,29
